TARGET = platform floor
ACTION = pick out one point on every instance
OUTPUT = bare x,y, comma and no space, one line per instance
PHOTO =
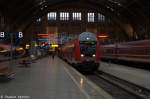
49,79
134,75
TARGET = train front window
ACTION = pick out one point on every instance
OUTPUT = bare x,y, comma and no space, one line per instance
88,48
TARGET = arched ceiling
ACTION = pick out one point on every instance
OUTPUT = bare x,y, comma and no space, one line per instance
23,11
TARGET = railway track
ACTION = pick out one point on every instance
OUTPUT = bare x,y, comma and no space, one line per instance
118,88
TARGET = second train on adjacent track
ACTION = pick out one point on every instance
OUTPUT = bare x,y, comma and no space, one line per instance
134,51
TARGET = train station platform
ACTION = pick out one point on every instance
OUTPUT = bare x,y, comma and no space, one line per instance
134,75
49,79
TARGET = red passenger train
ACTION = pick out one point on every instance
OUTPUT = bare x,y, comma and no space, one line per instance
134,51
83,53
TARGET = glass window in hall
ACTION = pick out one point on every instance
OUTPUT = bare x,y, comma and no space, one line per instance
91,17
76,16
39,20
64,15
51,15
101,17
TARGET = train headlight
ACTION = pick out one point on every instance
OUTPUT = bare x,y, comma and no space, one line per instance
93,55
82,55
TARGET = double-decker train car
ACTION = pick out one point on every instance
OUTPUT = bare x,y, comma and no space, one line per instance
134,51
83,53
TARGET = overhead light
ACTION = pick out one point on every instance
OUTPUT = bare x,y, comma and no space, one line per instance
27,46
54,45
93,55
82,55
103,36
19,49
87,38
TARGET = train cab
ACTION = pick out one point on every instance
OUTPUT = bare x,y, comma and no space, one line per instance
83,53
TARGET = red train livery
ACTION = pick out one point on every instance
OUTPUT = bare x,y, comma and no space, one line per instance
83,53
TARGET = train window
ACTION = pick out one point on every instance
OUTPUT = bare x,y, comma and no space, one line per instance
88,42
88,48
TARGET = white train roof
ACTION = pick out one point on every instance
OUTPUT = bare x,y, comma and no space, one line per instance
87,36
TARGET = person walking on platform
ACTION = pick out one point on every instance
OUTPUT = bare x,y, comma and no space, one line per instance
53,55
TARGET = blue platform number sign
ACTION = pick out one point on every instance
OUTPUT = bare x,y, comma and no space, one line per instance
20,35
2,34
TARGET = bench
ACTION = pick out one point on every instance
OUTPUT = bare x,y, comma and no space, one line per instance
6,72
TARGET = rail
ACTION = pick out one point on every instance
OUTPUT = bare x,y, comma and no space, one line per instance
136,90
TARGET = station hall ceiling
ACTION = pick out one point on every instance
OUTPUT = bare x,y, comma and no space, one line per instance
21,11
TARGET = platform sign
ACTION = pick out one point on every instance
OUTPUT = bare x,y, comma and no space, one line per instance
2,34
20,35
